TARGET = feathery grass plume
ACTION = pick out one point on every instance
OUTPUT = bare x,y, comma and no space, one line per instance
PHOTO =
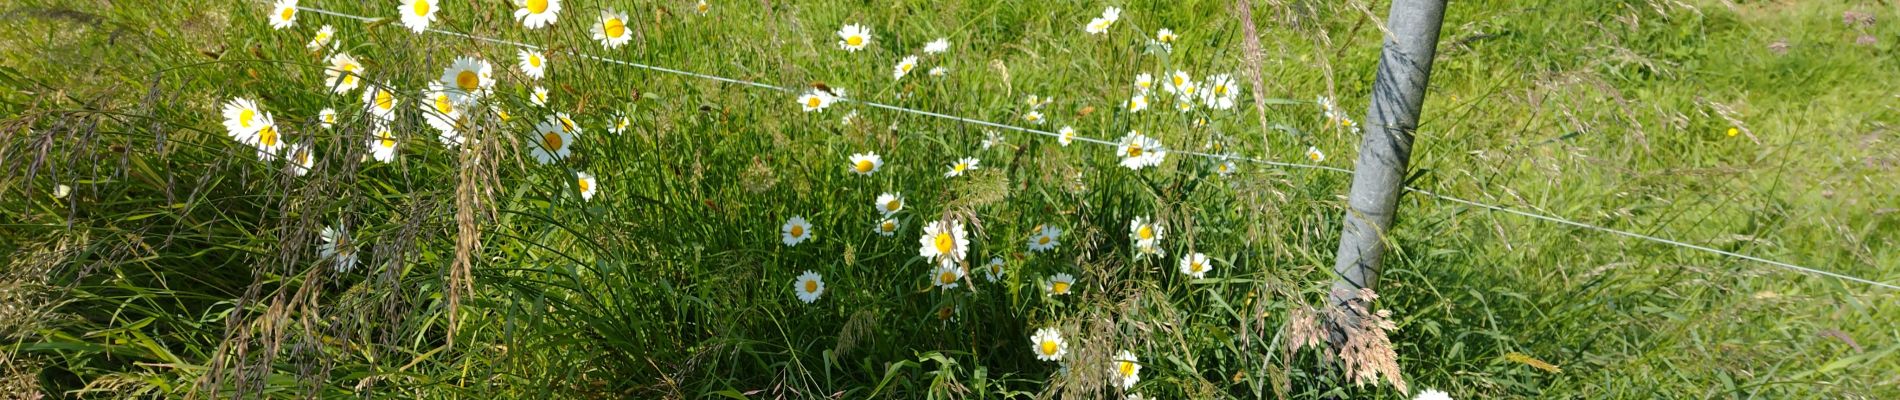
1533,362
1366,353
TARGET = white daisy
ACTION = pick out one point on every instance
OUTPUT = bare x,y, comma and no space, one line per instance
539,97
1138,151
1145,82
441,111
1165,35
1182,104
994,270
243,117
937,46
469,79
1127,370
1144,231
1195,265
344,73
992,139
535,14
1221,92
533,64
944,241
939,71
321,41
267,140
611,30
946,276
853,37
1432,394
417,14
886,227
1033,118
1225,168
961,166
1059,285
1048,344
382,144
903,67
1067,136
587,185
283,14
1313,153
702,8
327,118
299,158
337,248
380,102
889,203
621,122
1138,102
815,100
866,163
1177,82
795,231
1102,23
809,286
552,144
1148,249
1045,239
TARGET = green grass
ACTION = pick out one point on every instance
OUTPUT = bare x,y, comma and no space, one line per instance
181,265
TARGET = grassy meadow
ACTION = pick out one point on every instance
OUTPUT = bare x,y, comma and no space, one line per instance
152,253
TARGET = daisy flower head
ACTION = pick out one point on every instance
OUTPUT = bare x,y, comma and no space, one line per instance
1165,35
1432,394
1195,265
327,118
937,46
243,117
321,41
1127,370
1143,230
380,102
964,165
535,14
1138,151
994,270
551,143
1066,136
1225,168
815,100
440,111
621,122
853,37
1313,154
1045,239
903,67
1221,92
795,231
344,73
539,96
336,248
469,79
1149,249
1101,24
382,143
533,64
809,286
1145,82
889,203
299,158
1033,118
1178,82
586,184
1138,102
611,30
702,8
1183,104
417,14
939,71
886,227
992,139
946,276
267,140
864,164
283,14
1060,284
1048,344
944,241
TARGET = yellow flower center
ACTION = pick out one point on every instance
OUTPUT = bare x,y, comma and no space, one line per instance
798,231
962,166
1220,90
1049,347
907,67
1179,80
387,139
1127,368
1146,232
1313,155
888,226
534,60
813,102
567,124
537,6
245,117
268,136
1134,150
702,7
443,105
945,243
384,100
864,166
289,12
421,7
1194,267
1043,240
1059,287
811,286
947,277
614,27
854,41
552,141
893,205
468,80
585,187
